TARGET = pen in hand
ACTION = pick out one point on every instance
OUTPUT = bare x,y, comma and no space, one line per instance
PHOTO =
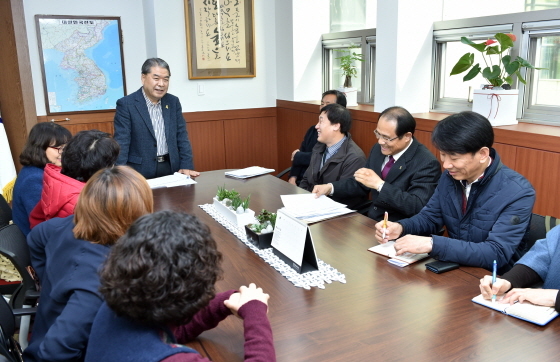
494,271
385,218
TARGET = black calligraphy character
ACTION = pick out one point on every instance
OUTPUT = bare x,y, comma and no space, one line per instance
217,54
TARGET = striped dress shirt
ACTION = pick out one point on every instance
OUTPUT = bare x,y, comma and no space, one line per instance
157,122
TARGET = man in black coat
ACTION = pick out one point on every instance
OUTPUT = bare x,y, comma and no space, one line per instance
302,156
401,173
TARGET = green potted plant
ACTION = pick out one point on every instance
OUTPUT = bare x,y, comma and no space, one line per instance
261,232
348,67
496,101
232,207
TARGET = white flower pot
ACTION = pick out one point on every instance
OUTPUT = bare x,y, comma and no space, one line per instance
351,96
237,219
498,105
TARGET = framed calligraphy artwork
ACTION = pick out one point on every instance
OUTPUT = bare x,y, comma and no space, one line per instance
220,38
81,61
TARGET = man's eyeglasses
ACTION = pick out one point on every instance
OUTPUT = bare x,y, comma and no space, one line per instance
385,138
59,148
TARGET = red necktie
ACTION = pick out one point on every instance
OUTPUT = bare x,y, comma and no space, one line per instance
387,167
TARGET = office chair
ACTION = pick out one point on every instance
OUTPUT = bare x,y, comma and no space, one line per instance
5,212
284,172
538,227
10,350
13,246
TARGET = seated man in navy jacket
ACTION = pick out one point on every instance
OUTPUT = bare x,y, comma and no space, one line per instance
401,173
485,206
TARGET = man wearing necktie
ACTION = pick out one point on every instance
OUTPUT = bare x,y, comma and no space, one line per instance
401,174
484,205
335,156
150,128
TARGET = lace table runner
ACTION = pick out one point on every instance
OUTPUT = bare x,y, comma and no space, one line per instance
318,278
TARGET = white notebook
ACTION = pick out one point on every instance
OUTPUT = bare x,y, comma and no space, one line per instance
388,249
526,311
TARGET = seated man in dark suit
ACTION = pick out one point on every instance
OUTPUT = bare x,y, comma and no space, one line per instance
302,156
401,173
484,205
150,128
335,156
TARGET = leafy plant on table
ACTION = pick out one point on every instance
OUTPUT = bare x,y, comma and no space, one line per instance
265,218
498,75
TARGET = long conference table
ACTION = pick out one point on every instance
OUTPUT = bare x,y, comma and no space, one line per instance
383,312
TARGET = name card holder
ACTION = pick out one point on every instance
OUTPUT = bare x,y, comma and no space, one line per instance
293,244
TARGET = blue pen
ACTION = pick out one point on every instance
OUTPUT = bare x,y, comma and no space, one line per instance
494,271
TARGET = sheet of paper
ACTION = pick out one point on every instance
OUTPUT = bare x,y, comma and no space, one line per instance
388,249
177,179
249,172
308,202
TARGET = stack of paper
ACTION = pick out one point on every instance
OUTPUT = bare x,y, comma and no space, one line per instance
249,172
177,179
310,209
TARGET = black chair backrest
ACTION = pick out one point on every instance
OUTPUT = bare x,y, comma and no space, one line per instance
5,212
7,319
13,245
538,228
9,349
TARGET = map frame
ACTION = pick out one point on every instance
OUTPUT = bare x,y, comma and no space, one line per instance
45,73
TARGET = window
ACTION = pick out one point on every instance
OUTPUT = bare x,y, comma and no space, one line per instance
542,93
450,93
364,40
346,15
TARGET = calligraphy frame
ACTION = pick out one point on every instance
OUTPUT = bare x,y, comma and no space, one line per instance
195,40
45,72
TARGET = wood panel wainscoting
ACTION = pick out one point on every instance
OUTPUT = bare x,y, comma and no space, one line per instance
220,139
533,150
267,137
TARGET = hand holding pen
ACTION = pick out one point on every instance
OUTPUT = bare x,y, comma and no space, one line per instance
385,219
494,271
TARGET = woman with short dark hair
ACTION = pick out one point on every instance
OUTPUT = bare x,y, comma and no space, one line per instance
66,254
158,285
44,146
85,154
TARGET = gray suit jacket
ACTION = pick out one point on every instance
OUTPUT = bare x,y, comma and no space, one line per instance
135,134
408,186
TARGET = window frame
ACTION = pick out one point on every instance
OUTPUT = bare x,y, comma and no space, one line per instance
523,25
364,38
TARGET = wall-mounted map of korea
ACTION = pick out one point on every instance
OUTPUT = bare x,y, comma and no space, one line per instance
82,64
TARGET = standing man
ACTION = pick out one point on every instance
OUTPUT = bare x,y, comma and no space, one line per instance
302,156
401,173
335,156
485,206
150,128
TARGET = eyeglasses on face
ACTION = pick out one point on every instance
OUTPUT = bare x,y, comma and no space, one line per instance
385,138
59,148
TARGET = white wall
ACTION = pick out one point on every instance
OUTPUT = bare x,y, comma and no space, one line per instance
310,21
157,28
403,54
132,19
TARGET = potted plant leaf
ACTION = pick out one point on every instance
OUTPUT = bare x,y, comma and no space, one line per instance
232,207
496,101
261,232
349,70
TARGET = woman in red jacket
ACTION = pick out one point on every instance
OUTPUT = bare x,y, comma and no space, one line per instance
85,154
